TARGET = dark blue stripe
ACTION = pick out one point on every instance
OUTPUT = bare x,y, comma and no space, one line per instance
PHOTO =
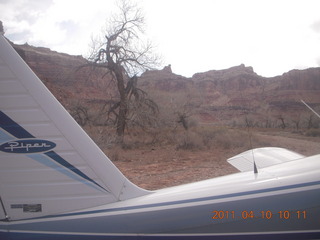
19,132
196,199
255,236
69,166
12,127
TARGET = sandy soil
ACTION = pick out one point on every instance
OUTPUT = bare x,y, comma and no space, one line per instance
158,167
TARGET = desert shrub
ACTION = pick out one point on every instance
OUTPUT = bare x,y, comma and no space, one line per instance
221,137
313,133
189,140
229,139
114,154
210,135
163,136
104,137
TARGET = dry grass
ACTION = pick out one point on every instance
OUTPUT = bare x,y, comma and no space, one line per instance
206,137
175,156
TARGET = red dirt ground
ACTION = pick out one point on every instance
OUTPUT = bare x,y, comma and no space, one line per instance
158,167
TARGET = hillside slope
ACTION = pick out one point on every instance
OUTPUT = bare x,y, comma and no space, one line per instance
234,96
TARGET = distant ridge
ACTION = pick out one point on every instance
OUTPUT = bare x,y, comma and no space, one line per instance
225,95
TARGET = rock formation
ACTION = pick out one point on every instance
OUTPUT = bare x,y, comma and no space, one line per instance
226,95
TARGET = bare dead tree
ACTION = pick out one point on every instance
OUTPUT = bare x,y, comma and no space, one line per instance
124,55
80,114
283,124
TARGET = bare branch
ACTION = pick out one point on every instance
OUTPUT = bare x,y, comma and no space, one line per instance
124,55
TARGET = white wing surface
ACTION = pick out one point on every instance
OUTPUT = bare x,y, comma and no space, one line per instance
48,164
263,157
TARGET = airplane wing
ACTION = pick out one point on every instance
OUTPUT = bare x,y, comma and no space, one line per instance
263,157
48,164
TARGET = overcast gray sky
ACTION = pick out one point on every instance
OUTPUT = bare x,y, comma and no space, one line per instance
272,36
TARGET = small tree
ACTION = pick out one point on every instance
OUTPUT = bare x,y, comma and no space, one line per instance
124,55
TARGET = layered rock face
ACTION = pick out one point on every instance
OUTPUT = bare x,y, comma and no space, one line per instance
66,76
308,79
227,95
238,93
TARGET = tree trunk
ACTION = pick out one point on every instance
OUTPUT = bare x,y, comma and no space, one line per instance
121,123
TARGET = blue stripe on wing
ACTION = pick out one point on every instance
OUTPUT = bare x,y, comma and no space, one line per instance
72,168
13,128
